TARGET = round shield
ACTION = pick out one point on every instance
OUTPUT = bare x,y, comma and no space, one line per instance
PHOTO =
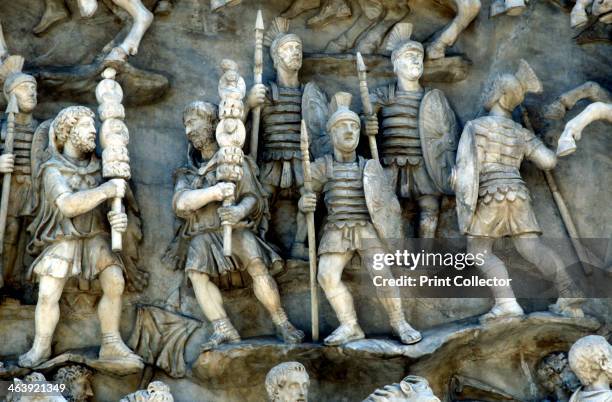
439,132
382,203
466,178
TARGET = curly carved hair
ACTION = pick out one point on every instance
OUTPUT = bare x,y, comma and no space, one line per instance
204,110
589,356
67,375
66,119
276,378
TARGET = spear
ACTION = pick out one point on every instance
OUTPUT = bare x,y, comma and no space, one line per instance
312,242
11,110
258,72
365,100
566,217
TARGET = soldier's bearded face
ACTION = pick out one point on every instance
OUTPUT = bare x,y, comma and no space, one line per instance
409,65
200,133
345,135
83,134
26,97
295,388
290,56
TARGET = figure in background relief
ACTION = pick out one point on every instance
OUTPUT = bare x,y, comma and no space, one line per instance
71,230
287,382
198,200
493,201
411,389
591,360
283,103
362,215
156,391
598,8
418,131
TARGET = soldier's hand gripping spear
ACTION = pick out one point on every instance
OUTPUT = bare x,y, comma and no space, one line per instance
368,110
312,242
11,110
258,72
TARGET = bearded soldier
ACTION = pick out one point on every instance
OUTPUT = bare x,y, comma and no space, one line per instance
281,169
493,200
71,229
198,198
418,132
362,212
22,88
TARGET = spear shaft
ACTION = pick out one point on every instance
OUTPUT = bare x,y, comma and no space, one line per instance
365,100
258,79
312,242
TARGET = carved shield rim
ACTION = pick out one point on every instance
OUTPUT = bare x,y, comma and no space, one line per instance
466,178
440,176
383,205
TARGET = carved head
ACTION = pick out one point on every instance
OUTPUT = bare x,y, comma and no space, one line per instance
75,124
591,358
159,392
78,383
406,54
411,389
285,47
344,125
200,120
556,377
509,90
23,86
288,382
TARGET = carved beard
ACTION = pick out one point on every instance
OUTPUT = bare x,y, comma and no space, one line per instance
82,142
203,142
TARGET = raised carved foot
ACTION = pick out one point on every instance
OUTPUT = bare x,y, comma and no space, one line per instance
224,332
504,309
555,111
35,356
335,9
578,17
163,8
406,333
436,50
55,11
343,334
289,334
568,307
299,6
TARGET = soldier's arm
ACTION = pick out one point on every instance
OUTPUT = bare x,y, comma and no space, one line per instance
308,200
186,201
538,153
73,204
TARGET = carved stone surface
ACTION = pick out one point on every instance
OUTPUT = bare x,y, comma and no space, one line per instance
186,277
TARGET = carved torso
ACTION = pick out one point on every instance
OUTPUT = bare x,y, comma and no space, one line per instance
281,117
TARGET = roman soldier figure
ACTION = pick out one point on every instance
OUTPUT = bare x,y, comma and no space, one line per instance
418,131
283,100
493,201
362,215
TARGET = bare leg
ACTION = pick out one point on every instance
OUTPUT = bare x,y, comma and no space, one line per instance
297,7
578,16
331,266
391,300
109,313
374,38
55,11
142,21
87,8
429,211
331,10
493,267
552,268
46,318
467,11
299,249
372,11
589,90
266,292
11,245
3,48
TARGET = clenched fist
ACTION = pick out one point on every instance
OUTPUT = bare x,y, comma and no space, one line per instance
115,188
308,203
224,190
118,221
371,125
231,215
7,163
257,95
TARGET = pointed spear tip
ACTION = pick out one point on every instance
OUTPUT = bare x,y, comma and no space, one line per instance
259,24
360,63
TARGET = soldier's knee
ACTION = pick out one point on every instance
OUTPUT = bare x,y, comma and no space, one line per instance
198,277
429,204
257,268
327,279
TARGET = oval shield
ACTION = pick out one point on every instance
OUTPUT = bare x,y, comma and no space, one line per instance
466,177
439,132
382,203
